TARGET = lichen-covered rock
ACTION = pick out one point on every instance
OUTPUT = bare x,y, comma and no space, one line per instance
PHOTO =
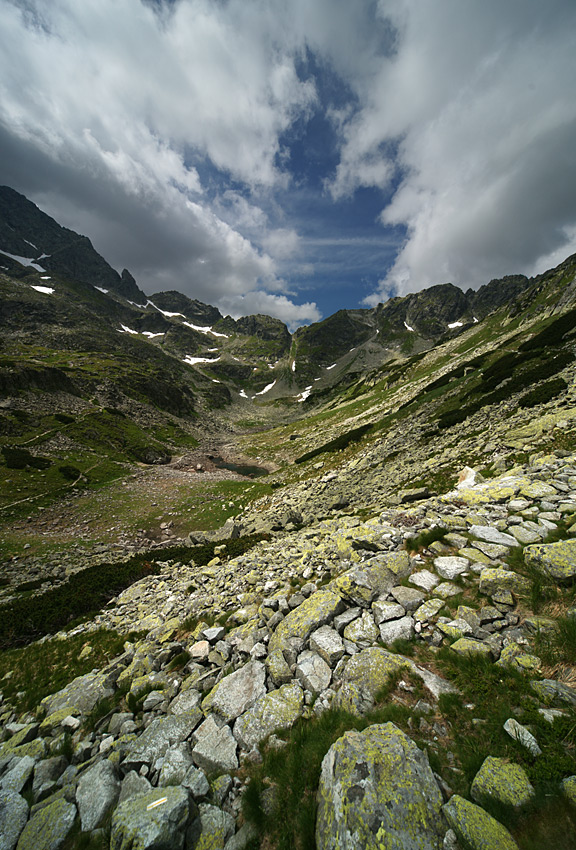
80,695
328,644
177,762
19,773
279,709
377,790
362,631
210,830
489,534
154,821
554,693
475,828
237,692
313,672
569,788
557,560
157,737
501,782
392,630
493,579
216,752
13,817
318,610
97,791
363,677
522,735
49,827
451,566
469,646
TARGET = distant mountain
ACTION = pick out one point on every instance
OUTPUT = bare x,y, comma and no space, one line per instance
28,233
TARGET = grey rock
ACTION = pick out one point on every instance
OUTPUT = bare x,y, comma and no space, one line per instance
196,782
377,789
242,838
186,702
313,672
237,692
362,631
408,597
216,752
133,785
49,827
523,736
46,774
18,775
13,817
397,629
162,733
328,644
279,709
424,579
82,694
176,764
153,821
489,534
97,791
212,828
450,567
383,611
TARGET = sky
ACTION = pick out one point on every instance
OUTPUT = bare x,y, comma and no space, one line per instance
296,157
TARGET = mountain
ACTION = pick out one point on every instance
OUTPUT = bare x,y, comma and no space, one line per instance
247,575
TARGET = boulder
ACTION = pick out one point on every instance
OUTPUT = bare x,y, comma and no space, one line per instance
493,579
451,566
377,790
153,821
13,817
80,695
364,675
362,631
313,672
489,534
162,733
49,827
501,782
397,629
328,644
97,791
177,763
279,709
216,751
211,829
237,692
557,560
475,828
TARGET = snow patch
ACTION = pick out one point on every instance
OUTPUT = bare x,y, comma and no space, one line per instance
456,325
192,361
126,330
214,381
475,320
293,367
333,366
408,328
46,277
30,243
25,261
150,335
164,312
267,388
45,290
304,394
203,329
243,394
140,306
104,291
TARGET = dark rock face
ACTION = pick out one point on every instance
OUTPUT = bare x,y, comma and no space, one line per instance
195,311
28,232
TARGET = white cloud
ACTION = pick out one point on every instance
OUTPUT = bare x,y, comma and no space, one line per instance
271,305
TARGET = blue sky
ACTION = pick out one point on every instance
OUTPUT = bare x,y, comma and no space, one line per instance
294,158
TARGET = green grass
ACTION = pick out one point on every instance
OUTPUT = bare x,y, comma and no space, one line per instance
30,673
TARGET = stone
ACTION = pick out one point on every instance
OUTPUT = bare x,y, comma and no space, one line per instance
402,629
447,589
18,775
79,696
196,782
162,733
501,782
216,752
469,646
97,791
408,597
377,790
451,566
133,785
49,827
279,709
383,611
13,817
557,560
318,610
211,829
364,675
328,644
428,610
177,762
362,631
475,828
569,788
237,692
313,672
424,579
186,702
489,534
551,691
523,736
495,579
153,821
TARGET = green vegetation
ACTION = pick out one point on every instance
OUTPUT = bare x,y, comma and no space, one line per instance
341,442
30,673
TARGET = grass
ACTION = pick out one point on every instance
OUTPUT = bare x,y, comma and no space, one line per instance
425,538
29,674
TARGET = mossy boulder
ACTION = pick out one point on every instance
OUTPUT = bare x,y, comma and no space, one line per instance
364,675
501,782
557,560
49,827
155,820
279,709
377,790
475,828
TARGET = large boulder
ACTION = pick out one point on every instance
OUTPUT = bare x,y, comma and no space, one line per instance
378,790
557,560
279,709
97,791
364,675
162,733
501,782
80,695
211,829
154,821
49,827
13,817
475,828
237,692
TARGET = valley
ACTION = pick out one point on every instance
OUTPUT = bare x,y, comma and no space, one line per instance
199,656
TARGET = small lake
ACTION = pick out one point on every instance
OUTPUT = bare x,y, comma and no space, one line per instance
240,468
